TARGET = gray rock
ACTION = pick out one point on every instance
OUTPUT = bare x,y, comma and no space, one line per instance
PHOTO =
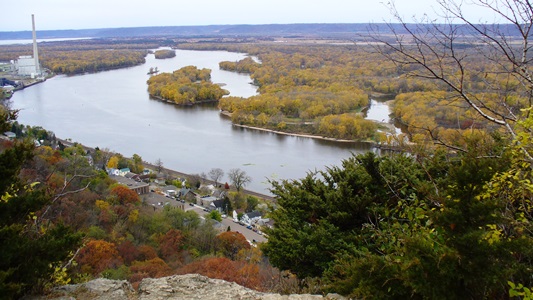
178,287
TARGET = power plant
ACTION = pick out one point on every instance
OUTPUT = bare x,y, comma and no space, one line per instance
28,65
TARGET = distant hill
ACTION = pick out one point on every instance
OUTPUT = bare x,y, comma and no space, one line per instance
284,30
191,31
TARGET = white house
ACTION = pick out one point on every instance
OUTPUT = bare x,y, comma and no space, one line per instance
251,218
113,171
123,172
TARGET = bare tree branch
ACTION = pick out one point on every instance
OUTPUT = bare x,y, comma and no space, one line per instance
443,52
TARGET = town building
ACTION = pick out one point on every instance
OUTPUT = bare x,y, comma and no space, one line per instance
140,188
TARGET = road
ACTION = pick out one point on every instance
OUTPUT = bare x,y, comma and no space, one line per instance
248,233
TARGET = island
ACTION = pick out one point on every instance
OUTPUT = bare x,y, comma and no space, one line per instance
186,86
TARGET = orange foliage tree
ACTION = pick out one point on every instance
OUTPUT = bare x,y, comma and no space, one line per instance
97,256
128,252
245,274
153,268
171,243
125,195
230,243
146,252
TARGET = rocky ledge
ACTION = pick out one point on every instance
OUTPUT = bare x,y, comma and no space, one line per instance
190,287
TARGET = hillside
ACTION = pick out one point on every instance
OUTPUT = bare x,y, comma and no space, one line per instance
348,31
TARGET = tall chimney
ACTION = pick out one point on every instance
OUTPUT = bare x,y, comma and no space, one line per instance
35,52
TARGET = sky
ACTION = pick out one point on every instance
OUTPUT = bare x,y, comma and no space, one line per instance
74,14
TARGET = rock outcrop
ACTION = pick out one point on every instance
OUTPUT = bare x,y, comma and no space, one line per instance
178,287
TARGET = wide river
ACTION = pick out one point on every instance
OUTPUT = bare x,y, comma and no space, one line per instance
112,110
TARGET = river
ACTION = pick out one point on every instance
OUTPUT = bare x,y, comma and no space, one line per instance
112,110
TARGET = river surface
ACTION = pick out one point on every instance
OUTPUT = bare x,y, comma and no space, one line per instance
112,110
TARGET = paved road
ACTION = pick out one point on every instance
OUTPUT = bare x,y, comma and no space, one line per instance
248,233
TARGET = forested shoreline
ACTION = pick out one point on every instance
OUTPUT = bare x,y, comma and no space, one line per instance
186,86
83,56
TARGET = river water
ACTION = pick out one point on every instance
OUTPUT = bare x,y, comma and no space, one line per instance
112,110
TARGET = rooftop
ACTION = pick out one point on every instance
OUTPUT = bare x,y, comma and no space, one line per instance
128,182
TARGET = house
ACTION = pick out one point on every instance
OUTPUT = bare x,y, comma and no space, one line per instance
140,188
144,177
251,218
206,201
160,181
133,176
124,171
220,194
266,223
217,205
10,135
187,195
89,159
170,190
113,172
158,201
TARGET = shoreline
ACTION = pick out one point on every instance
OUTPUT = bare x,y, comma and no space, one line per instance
159,98
176,173
317,137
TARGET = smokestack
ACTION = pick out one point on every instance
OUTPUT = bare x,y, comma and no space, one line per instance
35,52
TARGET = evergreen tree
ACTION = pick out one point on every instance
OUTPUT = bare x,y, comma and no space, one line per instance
31,247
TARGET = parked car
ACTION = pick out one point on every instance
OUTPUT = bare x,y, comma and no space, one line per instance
249,227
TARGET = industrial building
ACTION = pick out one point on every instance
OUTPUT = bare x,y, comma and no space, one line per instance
25,66
28,65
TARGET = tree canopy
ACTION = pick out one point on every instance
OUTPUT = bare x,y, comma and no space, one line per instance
187,86
449,222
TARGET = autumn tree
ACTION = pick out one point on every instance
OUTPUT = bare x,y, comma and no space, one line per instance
165,53
185,86
125,195
239,178
219,267
152,268
216,174
136,164
98,255
128,251
101,157
113,162
171,244
91,60
231,242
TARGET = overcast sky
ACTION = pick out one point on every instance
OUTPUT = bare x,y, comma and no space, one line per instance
74,14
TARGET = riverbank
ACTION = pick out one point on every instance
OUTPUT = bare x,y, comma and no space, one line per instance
159,98
171,172
390,127
300,134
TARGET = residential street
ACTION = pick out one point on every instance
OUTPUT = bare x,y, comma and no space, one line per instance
248,233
